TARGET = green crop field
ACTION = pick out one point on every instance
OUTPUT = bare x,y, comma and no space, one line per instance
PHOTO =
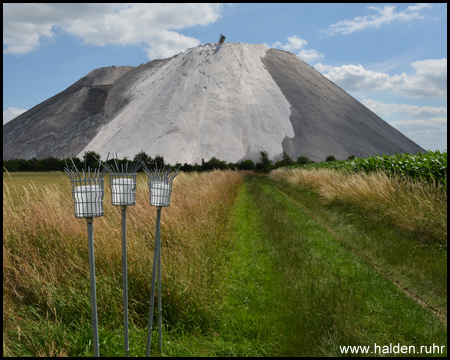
295,263
431,166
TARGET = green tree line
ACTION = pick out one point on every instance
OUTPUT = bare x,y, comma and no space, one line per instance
89,159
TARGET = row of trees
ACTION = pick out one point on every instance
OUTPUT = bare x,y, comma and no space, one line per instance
90,160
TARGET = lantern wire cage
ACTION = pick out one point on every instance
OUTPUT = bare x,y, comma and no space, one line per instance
160,186
87,190
87,193
122,181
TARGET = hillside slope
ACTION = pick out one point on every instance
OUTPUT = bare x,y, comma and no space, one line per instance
227,100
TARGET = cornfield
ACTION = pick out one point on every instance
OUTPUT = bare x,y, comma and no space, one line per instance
429,167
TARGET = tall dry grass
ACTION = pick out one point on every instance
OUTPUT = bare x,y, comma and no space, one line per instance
45,252
415,207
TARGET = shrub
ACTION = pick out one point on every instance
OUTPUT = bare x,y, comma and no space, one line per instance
265,164
246,165
90,159
302,159
214,163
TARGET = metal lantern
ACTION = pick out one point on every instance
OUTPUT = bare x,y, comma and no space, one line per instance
160,191
122,182
123,189
87,193
160,187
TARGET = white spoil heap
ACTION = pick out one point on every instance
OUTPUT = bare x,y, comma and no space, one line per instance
212,100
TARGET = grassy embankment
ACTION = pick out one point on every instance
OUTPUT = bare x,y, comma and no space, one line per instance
274,273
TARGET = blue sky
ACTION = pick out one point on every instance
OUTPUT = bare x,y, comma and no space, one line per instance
390,57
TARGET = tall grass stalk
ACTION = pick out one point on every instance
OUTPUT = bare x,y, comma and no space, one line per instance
413,206
45,261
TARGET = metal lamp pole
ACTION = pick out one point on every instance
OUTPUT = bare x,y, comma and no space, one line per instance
122,182
90,228
87,193
126,346
160,186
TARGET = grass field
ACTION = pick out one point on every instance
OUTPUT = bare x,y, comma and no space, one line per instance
251,266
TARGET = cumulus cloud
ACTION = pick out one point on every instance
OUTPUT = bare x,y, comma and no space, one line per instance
154,27
430,133
355,77
439,123
428,79
385,16
11,113
169,43
426,125
414,111
296,44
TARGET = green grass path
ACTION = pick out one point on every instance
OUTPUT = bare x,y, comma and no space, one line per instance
297,290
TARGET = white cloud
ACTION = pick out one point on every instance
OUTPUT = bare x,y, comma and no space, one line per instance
439,123
355,77
296,44
170,43
385,16
151,26
310,55
428,80
11,113
323,68
430,133
414,111
426,125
